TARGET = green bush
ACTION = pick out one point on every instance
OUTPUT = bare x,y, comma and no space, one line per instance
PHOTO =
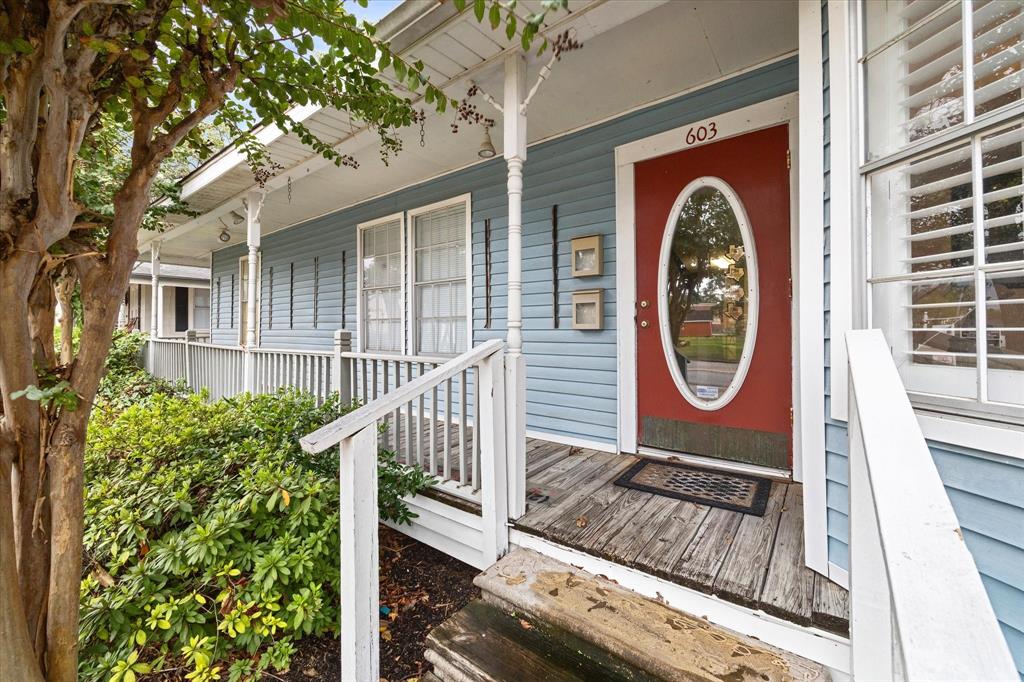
211,539
125,382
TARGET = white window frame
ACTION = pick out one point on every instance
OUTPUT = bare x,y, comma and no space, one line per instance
360,317
410,279
850,229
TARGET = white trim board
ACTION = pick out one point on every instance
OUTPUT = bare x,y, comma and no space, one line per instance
808,277
600,446
841,193
812,643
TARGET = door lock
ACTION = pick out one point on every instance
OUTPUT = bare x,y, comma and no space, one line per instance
645,324
644,303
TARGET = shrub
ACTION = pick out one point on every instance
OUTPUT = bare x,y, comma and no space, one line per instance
211,540
125,382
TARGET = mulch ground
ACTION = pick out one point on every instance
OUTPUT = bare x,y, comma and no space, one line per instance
419,589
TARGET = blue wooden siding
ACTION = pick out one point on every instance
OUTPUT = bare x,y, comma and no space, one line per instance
571,375
986,490
836,493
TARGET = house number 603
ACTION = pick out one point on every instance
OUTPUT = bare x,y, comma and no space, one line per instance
701,133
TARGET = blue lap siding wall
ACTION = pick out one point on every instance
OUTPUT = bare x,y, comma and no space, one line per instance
571,375
987,490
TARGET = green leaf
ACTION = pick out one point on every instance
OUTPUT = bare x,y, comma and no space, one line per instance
6,48
478,9
510,26
460,5
139,54
495,16
22,45
135,81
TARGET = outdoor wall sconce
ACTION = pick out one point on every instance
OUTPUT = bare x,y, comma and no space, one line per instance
588,309
587,256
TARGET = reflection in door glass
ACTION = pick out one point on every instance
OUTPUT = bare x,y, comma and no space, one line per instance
707,293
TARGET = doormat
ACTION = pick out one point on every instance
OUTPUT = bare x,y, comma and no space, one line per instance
736,492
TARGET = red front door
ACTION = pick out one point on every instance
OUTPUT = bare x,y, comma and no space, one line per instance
713,300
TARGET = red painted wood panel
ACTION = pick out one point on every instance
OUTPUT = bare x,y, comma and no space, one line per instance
754,165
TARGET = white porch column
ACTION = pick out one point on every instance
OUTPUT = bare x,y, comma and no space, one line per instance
515,367
254,205
154,291
154,301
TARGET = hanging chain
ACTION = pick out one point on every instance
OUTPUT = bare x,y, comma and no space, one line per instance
289,189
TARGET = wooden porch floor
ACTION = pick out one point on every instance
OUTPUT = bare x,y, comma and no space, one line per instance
757,562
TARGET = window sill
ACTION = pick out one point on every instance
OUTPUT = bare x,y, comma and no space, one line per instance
975,434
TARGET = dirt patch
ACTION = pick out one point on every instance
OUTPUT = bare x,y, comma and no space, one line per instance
419,589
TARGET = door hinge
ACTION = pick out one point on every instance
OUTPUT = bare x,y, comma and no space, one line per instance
790,416
789,161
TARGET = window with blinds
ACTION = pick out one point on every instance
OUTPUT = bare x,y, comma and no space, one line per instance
943,149
439,287
381,286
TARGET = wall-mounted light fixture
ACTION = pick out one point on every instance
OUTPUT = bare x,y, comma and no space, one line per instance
224,236
486,150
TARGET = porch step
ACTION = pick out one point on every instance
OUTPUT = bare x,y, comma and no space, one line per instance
665,643
483,643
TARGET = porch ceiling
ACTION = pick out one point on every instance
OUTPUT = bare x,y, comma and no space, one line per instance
635,52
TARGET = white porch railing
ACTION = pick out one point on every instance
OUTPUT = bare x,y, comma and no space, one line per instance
919,610
436,430
357,434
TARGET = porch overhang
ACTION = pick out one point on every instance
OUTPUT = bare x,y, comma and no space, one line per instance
635,53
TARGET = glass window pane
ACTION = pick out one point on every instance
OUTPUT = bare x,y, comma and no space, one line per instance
914,86
382,287
931,328
998,54
1002,164
922,215
708,287
886,20
440,280
1004,338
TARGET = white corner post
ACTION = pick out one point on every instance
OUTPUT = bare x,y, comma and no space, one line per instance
154,301
341,367
515,366
360,610
254,205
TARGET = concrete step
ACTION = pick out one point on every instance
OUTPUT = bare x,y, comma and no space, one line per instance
483,643
665,643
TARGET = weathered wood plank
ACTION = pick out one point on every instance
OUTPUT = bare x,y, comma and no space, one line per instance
699,566
742,575
609,521
559,520
640,529
831,606
672,538
789,586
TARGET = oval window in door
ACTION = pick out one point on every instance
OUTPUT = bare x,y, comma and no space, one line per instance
708,293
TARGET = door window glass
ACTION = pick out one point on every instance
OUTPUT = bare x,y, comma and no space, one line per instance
708,303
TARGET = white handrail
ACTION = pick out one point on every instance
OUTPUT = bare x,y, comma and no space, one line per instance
919,610
356,434
330,435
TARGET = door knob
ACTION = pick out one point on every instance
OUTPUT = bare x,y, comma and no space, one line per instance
645,324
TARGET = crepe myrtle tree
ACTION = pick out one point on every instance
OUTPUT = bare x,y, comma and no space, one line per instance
84,80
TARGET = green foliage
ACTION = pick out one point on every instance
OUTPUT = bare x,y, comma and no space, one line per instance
125,382
211,539
58,395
